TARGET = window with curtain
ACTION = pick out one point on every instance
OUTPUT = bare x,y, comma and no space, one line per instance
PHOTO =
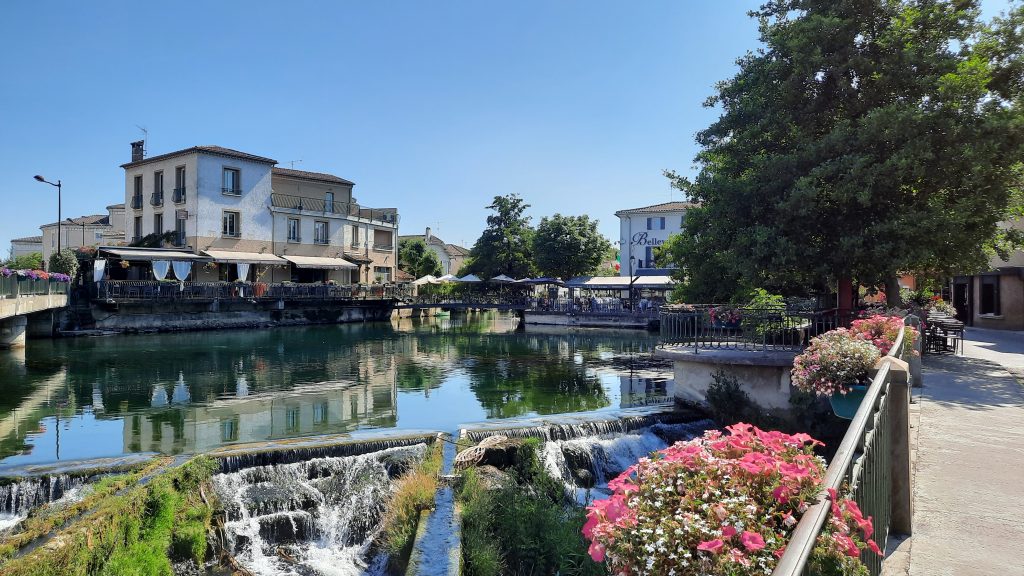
232,182
231,224
320,232
293,230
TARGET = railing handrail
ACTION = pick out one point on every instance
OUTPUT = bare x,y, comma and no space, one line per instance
805,535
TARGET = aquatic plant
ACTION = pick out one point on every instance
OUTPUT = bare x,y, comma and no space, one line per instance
721,504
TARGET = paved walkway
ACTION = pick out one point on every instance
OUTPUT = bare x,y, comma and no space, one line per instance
969,483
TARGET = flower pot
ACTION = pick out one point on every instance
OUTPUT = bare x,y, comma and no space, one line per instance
846,405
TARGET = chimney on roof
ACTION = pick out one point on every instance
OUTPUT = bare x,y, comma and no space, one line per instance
426,237
138,150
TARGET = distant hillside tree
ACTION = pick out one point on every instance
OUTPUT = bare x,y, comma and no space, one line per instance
569,246
505,247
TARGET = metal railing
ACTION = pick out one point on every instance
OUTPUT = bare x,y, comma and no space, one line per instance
595,306
136,202
179,195
157,199
322,206
737,328
132,290
15,286
871,465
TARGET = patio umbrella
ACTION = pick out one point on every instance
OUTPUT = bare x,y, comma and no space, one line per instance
447,278
428,279
502,279
469,278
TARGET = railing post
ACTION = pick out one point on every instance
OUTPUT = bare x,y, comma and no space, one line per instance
899,419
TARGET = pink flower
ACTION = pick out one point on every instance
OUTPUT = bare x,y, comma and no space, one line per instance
874,547
713,546
849,547
728,532
596,551
751,541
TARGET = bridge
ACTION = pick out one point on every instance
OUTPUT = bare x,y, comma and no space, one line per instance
21,298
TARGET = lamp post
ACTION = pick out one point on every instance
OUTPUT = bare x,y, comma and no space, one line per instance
631,280
44,180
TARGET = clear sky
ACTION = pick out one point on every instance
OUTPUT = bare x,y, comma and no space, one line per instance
431,107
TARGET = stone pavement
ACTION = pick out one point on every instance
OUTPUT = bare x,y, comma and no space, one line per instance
969,462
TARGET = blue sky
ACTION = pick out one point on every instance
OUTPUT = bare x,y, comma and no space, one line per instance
430,107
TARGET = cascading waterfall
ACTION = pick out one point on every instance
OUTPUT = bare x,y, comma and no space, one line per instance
20,497
569,428
586,463
318,516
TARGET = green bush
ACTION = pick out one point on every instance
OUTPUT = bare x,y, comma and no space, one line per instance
33,261
64,262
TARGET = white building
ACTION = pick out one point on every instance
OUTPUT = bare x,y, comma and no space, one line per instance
26,246
93,230
238,208
642,229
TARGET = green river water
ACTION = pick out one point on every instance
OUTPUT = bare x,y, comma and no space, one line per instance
190,392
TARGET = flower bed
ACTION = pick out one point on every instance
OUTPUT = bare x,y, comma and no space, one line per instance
721,504
882,331
35,275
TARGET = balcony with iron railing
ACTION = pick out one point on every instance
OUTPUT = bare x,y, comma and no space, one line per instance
157,199
136,202
179,195
325,207
231,191
383,247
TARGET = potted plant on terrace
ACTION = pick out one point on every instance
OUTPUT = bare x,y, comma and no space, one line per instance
836,365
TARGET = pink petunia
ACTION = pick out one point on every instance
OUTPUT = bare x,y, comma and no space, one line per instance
596,551
728,532
713,546
752,541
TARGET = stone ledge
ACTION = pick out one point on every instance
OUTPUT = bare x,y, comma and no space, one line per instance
731,357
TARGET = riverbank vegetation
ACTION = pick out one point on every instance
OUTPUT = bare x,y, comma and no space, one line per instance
413,494
131,530
520,521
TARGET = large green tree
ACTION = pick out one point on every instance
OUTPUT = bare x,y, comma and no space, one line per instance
505,247
415,258
866,138
568,246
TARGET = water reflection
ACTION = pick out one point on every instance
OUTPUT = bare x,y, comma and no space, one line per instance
179,393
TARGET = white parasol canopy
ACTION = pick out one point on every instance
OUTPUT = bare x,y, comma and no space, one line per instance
428,279
469,278
502,278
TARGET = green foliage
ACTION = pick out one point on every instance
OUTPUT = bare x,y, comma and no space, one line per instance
156,240
64,262
413,494
33,261
864,139
527,527
415,258
728,402
569,246
505,247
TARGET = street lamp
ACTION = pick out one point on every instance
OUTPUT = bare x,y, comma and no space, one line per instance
632,305
41,179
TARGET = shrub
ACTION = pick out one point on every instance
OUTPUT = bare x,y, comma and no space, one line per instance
33,261
717,505
64,262
833,362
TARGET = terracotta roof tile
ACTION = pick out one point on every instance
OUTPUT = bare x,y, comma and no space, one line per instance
663,207
318,176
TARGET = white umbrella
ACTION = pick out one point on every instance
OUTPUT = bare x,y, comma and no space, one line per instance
448,278
428,279
502,278
469,278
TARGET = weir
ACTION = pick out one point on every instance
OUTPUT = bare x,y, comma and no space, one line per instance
569,426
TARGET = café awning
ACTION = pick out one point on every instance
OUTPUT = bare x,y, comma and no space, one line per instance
150,254
243,257
320,262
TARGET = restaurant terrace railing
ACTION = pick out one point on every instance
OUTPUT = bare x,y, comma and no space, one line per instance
14,286
140,290
322,206
596,306
871,465
738,328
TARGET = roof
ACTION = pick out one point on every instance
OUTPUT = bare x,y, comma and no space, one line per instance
321,262
115,206
316,176
663,207
451,249
218,150
403,276
91,220
621,282
31,239
457,250
250,257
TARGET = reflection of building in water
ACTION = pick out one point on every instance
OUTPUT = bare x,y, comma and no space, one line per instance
325,408
641,391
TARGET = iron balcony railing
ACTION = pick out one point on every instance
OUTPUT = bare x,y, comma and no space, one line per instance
134,290
157,199
136,202
15,286
321,206
231,191
738,328
179,195
384,247
871,465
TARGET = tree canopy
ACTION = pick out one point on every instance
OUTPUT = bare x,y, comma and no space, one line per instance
505,247
866,138
569,246
31,261
415,258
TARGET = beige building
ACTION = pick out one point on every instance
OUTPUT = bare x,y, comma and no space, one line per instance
93,230
252,218
993,299
26,246
452,256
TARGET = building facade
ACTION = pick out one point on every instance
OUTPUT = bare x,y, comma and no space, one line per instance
641,230
452,256
238,208
993,299
93,230
26,246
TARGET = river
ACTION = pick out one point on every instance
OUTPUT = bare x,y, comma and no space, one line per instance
190,392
